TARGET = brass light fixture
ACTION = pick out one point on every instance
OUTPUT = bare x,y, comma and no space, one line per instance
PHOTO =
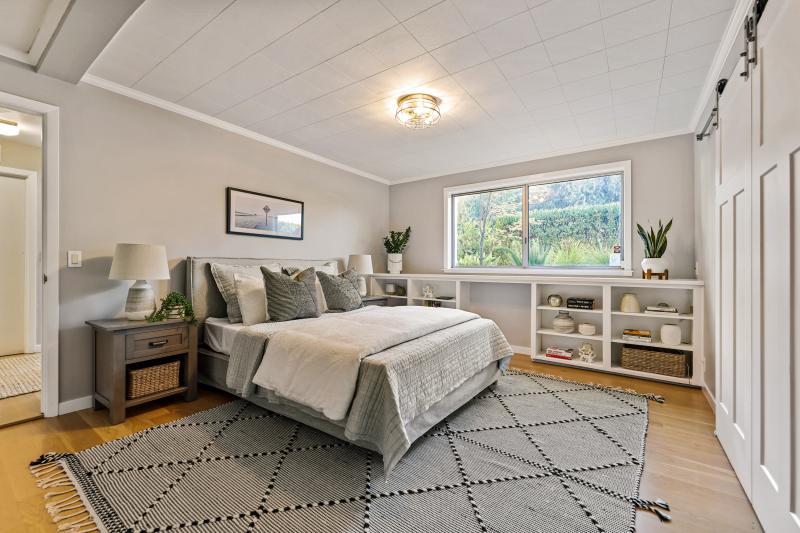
9,128
418,110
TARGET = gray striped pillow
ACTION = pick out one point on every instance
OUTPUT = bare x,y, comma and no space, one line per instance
287,298
341,292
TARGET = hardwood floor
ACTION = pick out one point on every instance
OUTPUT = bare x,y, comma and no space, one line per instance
684,462
20,408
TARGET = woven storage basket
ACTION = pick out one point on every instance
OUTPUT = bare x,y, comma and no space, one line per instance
153,379
667,363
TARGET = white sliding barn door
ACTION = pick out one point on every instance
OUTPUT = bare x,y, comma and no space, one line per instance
733,205
776,269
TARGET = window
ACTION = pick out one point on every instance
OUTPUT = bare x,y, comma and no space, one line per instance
575,220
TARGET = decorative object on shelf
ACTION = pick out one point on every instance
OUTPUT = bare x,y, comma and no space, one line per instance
586,353
174,305
139,262
446,297
399,290
362,264
615,257
418,110
395,244
431,303
390,289
559,353
655,244
261,215
427,292
555,300
563,323
580,303
661,309
655,361
587,329
629,303
671,334
637,335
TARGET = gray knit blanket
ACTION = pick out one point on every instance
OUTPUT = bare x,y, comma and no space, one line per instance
396,386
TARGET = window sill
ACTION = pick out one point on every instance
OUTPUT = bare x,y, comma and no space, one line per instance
561,272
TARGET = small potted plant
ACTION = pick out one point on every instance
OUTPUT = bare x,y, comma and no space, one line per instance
655,245
174,305
395,244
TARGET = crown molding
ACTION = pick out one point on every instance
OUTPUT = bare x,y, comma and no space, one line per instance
729,38
214,121
538,156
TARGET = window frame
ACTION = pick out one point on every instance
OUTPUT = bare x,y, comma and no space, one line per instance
618,167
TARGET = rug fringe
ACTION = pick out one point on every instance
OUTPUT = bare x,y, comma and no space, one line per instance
65,507
649,396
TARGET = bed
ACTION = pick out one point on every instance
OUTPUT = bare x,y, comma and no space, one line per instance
400,390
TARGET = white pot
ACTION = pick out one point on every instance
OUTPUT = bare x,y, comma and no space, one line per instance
395,262
629,303
671,334
656,265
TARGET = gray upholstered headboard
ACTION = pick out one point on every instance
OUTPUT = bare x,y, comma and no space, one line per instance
201,289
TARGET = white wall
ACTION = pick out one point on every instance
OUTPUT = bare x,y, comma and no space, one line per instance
131,172
663,187
704,190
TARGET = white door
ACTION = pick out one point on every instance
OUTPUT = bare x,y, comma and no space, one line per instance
12,265
776,269
733,204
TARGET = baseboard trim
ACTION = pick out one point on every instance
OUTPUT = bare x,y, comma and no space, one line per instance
710,398
78,404
524,350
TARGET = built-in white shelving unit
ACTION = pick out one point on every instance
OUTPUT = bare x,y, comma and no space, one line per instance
518,303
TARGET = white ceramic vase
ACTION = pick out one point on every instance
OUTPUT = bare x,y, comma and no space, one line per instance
563,323
671,334
395,263
656,265
629,303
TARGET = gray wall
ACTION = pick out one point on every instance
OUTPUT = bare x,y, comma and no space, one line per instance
663,187
705,190
131,172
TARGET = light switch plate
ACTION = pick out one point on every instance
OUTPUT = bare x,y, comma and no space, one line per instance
74,259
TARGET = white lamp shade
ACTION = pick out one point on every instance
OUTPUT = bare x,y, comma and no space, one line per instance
139,262
361,264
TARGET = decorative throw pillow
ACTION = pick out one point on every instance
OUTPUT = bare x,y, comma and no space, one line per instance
329,268
341,292
252,298
223,276
289,298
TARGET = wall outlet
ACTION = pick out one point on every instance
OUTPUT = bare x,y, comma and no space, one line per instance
74,259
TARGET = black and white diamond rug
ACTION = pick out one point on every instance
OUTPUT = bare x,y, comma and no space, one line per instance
532,453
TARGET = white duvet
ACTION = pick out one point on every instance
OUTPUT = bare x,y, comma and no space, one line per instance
316,363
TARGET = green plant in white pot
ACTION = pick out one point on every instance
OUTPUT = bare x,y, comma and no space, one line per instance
655,245
395,244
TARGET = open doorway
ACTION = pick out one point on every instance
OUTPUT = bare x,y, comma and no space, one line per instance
21,164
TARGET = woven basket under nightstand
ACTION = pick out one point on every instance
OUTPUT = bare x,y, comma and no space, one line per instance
152,379
655,361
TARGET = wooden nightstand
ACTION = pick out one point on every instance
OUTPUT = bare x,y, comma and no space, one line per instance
375,300
122,345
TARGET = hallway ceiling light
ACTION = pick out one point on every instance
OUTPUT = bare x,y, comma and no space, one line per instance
418,110
9,128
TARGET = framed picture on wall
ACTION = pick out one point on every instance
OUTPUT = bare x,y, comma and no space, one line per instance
262,215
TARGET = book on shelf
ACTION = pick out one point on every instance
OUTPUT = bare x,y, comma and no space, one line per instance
580,303
559,353
661,308
639,335
637,338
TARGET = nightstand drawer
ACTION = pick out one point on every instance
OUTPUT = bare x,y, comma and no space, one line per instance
149,343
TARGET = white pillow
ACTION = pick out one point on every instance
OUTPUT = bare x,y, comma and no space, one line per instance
252,297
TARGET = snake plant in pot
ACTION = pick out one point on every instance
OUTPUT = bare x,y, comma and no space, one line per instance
655,245
395,244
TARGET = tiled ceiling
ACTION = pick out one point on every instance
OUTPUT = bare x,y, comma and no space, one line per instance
518,79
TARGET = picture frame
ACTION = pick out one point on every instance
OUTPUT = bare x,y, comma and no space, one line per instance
262,215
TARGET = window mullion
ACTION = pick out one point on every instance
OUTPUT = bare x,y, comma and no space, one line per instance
525,234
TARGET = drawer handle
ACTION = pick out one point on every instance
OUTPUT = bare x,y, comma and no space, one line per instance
154,344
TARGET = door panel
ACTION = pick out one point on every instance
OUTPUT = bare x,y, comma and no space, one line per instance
776,267
12,267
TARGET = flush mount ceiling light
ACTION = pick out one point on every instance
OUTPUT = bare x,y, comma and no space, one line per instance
9,128
418,110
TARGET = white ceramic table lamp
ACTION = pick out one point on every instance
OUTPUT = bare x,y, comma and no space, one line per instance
363,265
139,262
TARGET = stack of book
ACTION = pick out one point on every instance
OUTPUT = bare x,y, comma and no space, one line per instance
661,309
638,335
580,303
559,353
